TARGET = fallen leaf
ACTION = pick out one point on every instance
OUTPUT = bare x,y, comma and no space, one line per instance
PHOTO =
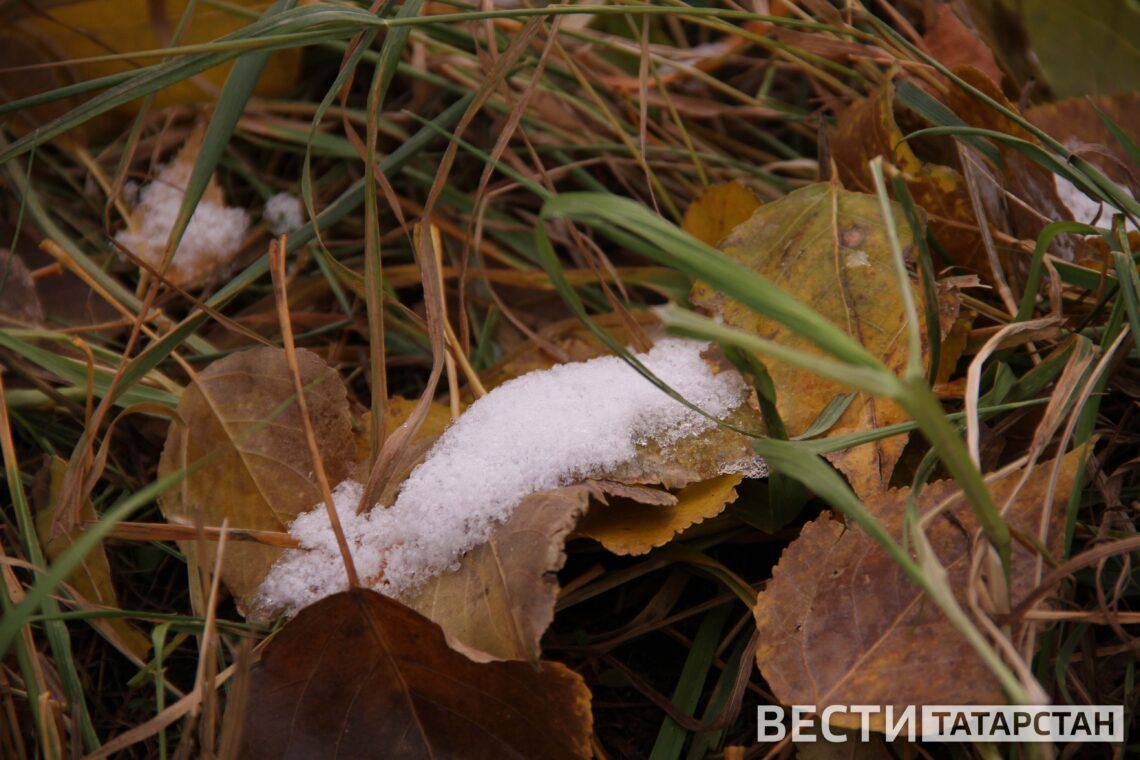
242,410
718,209
501,600
841,265
86,28
953,43
840,623
695,457
92,579
1030,183
19,304
631,528
358,675
866,129
1077,124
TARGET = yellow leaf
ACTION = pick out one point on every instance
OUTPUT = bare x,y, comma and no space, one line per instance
719,209
628,527
63,31
828,248
92,579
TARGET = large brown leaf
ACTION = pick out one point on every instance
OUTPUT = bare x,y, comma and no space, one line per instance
243,408
829,249
840,623
500,600
358,675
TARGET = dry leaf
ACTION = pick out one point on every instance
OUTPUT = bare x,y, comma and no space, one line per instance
243,409
501,600
92,579
718,209
1077,124
840,265
840,623
637,528
85,28
19,302
358,675
952,43
866,129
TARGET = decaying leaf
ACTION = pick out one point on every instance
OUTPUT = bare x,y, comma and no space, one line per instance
719,209
19,303
242,410
829,249
840,623
92,579
1080,127
501,600
357,674
628,527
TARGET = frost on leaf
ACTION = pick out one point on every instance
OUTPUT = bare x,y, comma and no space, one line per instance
213,237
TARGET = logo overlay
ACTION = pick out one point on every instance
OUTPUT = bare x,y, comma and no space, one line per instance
943,723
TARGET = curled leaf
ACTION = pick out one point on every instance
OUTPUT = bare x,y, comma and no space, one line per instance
500,600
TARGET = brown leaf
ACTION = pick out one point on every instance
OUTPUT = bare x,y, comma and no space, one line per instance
1030,183
631,528
501,600
19,303
840,623
952,43
243,409
866,129
1077,124
92,579
841,266
718,209
358,675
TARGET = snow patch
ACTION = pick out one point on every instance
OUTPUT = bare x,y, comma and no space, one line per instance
284,213
1085,209
214,235
539,431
